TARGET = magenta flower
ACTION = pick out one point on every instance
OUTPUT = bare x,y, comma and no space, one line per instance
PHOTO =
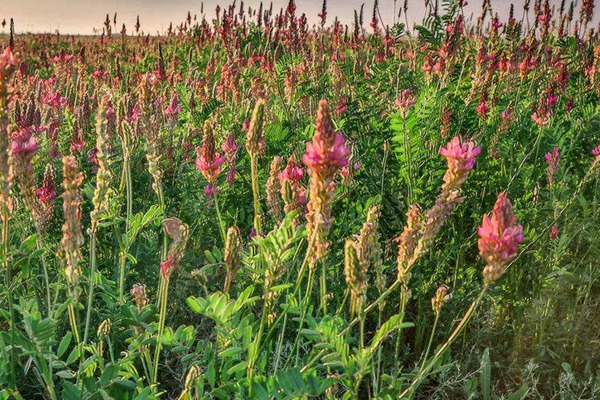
552,159
554,232
327,152
174,108
230,148
596,152
8,61
47,193
461,159
209,161
23,143
293,172
482,109
499,238
209,164
406,101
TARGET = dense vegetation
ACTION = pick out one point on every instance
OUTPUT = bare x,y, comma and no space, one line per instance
247,207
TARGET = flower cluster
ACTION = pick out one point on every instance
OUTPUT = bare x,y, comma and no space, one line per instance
230,148
552,159
499,237
208,160
292,191
72,239
274,187
324,156
461,158
179,233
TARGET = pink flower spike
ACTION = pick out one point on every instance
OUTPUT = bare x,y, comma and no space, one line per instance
499,237
461,156
328,151
596,151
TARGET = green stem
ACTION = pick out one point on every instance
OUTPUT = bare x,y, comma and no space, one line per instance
122,264
403,301
11,309
323,287
461,325
255,349
255,194
221,224
91,278
161,325
435,323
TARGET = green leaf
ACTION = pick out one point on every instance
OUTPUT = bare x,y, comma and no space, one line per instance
520,394
486,375
392,324
64,344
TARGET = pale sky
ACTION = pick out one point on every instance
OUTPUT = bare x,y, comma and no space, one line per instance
81,16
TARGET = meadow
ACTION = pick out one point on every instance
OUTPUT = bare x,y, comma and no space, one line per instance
250,206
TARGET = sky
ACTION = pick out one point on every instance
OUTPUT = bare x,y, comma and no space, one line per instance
82,16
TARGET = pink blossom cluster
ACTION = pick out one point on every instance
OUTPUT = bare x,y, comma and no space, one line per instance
328,151
461,157
499,238
552,159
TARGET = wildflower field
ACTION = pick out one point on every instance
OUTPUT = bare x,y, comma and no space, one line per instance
250,206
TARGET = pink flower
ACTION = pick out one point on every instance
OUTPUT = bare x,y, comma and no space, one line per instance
135,114
406,101
167,267
327,152
230,148
461,159
482,109
174,108
8,62
541,117
552,159
596,151
293,172
209,161
554,232
23,143
507,115
209,164
499,237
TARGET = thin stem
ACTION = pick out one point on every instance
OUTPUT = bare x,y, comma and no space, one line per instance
8,269
435,323
255,193
122,264
461,325
221,224
161,325
90,299
323,287
403,301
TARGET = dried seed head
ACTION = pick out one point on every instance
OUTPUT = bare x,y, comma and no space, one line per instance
255,142
443,295
72,239
356,275
274,187
138,291
232,256
103,174
407,242
178,232
104,329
